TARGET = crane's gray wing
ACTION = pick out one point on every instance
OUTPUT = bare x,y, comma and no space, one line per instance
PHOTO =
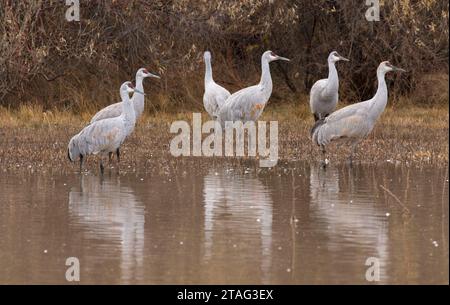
315,94
72,148
208,102
244,105
221,95
111,111
101,136
356,124
348,111
214,98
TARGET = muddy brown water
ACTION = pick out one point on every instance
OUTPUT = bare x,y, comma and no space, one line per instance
300,225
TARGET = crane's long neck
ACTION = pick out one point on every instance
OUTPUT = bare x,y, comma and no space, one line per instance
333,79
208,71
266,78
127,108
139,83
379,101
138,98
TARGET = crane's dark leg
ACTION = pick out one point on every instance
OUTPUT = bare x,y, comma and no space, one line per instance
118,159
102,168
110,155
81,163
352,152
324,154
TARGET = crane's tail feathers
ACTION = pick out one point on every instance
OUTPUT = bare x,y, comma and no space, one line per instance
317,116
68,155
316,126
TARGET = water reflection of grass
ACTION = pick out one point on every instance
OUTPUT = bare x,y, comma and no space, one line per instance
33,138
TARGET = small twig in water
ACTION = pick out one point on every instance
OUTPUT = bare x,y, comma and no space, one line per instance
396,198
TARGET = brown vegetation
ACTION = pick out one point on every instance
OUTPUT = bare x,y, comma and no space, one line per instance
45,60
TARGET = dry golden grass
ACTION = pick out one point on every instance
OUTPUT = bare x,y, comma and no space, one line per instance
34,140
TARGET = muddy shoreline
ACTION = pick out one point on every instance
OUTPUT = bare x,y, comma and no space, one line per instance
415,136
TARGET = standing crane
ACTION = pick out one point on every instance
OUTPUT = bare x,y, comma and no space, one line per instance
115,110
324,94
215,95
353,123
248,104
107,135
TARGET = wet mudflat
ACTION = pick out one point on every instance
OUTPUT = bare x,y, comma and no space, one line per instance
227,223
38,143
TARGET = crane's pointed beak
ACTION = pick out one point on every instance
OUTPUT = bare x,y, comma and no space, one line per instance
153,75
283,58
398,69
343,58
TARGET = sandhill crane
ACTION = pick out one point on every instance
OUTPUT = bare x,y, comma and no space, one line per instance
324,94
105,136
354,122
215,95
114,110
248,104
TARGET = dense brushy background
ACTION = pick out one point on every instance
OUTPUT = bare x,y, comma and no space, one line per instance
72,66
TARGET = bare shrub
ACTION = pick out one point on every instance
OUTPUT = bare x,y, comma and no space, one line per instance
79,65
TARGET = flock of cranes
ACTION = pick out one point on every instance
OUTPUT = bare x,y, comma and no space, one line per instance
109,128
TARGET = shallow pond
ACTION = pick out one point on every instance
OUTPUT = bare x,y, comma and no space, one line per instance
300,225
